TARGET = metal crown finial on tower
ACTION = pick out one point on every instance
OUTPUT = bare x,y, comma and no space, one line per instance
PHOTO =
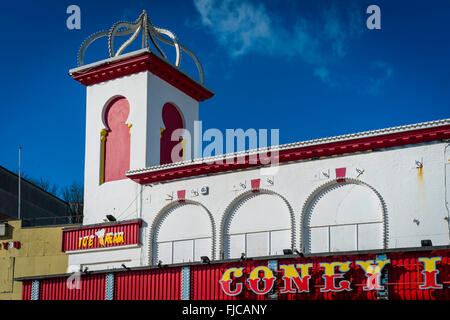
144,25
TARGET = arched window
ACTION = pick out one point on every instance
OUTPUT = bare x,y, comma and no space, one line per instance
116,152
182,232
344,215
257,224
172,120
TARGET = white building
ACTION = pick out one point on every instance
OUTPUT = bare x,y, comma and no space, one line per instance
381,189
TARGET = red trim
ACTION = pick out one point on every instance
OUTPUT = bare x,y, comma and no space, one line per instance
302,153
181,194
340,174
147,61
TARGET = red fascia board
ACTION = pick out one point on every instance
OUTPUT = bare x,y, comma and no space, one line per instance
144,62
301,153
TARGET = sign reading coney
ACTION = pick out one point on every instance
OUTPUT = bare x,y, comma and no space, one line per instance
101,236
335,276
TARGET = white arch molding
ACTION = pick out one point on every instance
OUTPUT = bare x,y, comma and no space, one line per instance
237,203
164,214
322,192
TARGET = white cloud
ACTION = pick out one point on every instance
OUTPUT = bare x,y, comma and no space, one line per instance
244,26
240,26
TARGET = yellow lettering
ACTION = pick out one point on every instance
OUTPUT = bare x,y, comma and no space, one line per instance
91,241
267,273
236,271
430,263
85,241
108,238
291,272
372,267
79,242
329,267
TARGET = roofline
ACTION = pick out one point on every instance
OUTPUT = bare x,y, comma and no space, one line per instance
87,67
34,185
424,128
138,61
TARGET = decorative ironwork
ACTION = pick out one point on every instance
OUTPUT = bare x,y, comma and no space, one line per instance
141,25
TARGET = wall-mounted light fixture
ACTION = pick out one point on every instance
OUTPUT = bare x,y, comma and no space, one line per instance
110,218
205,259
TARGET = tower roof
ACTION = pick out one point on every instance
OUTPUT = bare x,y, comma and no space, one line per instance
120,64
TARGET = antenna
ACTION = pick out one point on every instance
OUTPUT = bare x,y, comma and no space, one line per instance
18,197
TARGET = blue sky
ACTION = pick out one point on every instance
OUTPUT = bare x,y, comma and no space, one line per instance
310,68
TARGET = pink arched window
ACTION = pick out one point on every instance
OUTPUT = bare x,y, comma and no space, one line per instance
117,142
172,120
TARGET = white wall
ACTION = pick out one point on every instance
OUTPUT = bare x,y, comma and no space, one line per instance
407,195
412,202
159,93
102,199
146,94
106,259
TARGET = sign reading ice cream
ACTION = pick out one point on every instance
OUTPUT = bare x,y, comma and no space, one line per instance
101,236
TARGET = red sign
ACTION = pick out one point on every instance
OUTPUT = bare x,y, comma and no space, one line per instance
101,236
10,244
296,278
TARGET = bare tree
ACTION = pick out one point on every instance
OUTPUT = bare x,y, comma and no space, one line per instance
73,195
42,183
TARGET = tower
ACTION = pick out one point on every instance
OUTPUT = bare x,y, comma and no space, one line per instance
134,102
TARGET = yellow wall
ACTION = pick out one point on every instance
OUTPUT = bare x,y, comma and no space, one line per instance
39,254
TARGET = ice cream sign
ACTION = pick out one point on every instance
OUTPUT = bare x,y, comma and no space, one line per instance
103,239
101,236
